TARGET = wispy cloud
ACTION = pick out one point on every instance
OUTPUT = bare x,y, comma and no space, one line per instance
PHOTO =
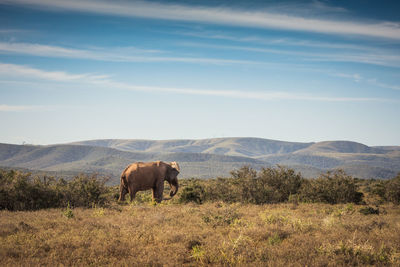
8,31
371,56
320,6
131,54
220,15
266,96
18,108
358,78
106,82
383,85
304,8
12,70
355,76
116,54
281,42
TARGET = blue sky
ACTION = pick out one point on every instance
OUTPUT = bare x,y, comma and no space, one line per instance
287,70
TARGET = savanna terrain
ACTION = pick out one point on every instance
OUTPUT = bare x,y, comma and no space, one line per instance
273,217
208,234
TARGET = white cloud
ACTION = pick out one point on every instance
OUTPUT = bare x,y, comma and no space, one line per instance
282,42
110,54
355,77
103,81
17,108
383,85
358,78
268,96
371,56
118,54
221,16
131,54
12,70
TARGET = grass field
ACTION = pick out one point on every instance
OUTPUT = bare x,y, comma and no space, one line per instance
216,233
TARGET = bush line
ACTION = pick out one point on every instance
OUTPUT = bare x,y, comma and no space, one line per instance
24,191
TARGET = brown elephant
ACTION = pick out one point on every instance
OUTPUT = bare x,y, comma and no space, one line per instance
140,176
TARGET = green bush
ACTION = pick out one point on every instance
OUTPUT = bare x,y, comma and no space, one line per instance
68,212
270,185
283,181
193,192
376,188
21,191
369,210
392,190
332,187
84,191
24,191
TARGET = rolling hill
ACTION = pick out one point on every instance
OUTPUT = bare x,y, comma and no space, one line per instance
207,157
309,158
236,146
109,161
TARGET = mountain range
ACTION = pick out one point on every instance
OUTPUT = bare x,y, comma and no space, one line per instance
206,158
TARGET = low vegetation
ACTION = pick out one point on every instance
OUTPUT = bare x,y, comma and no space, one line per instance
271,217
281,185
214,233
24,191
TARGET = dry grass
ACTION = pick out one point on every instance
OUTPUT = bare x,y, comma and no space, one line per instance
208,234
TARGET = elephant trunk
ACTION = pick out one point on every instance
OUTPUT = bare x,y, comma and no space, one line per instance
174,190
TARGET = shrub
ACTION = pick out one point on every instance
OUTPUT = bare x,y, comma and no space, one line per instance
275,239
392,190
198,253
193,192
222,189
369,211
68,212
270,185
283,181
332,187
85,191
222,217
23,191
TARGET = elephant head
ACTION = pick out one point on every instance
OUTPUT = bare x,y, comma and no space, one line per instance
172,177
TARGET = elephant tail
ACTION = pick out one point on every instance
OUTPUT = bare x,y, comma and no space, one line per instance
124,182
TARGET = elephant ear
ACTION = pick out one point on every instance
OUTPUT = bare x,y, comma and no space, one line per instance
175,165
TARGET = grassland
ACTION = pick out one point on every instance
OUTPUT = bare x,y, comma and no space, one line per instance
214,233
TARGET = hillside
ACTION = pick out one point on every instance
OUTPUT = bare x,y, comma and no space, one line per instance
237,146
309,158
109,161
207,157
341,147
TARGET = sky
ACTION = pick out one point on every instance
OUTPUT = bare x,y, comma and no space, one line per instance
302,71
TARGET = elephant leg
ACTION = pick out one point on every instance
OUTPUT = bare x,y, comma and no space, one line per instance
122,193
132,194
158,192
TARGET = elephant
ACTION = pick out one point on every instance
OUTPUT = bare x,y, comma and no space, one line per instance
140,176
